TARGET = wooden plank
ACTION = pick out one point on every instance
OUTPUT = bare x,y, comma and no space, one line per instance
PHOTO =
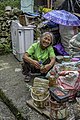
30,103
41,111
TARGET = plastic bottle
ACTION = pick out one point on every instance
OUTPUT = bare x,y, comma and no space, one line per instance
41,64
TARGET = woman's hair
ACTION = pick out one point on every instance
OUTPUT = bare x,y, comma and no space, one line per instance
51,35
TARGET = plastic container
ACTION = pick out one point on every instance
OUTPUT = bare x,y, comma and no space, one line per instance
58,111
58,94
52,81
22,37
66,58
75,59
41,64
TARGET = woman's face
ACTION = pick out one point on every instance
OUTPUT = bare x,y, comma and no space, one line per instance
46,41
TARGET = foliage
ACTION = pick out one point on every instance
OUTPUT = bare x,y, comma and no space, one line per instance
5,48
1,12
12,3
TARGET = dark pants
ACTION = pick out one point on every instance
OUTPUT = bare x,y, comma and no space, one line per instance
28,68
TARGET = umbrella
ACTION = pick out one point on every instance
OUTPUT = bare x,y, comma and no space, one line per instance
62,17
50,24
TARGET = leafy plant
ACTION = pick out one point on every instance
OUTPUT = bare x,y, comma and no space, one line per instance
12,3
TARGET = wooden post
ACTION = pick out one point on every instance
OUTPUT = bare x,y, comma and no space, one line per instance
51,4
48,3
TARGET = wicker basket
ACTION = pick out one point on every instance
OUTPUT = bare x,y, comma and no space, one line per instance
39,96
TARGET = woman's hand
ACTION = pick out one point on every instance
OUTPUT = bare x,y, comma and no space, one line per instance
36,64
45,68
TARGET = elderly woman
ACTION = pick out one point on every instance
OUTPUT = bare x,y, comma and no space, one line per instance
74,45
39,54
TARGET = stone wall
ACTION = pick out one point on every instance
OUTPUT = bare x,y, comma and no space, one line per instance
5,33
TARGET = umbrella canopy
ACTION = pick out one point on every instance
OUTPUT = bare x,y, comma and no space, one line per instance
62,17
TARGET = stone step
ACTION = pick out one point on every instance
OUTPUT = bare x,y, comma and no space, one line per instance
5,113
13,90
11,106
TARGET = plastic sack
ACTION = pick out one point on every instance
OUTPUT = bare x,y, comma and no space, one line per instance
60,49
74,45
66,33
69,80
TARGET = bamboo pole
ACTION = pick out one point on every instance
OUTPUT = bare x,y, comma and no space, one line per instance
51,4
48,3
